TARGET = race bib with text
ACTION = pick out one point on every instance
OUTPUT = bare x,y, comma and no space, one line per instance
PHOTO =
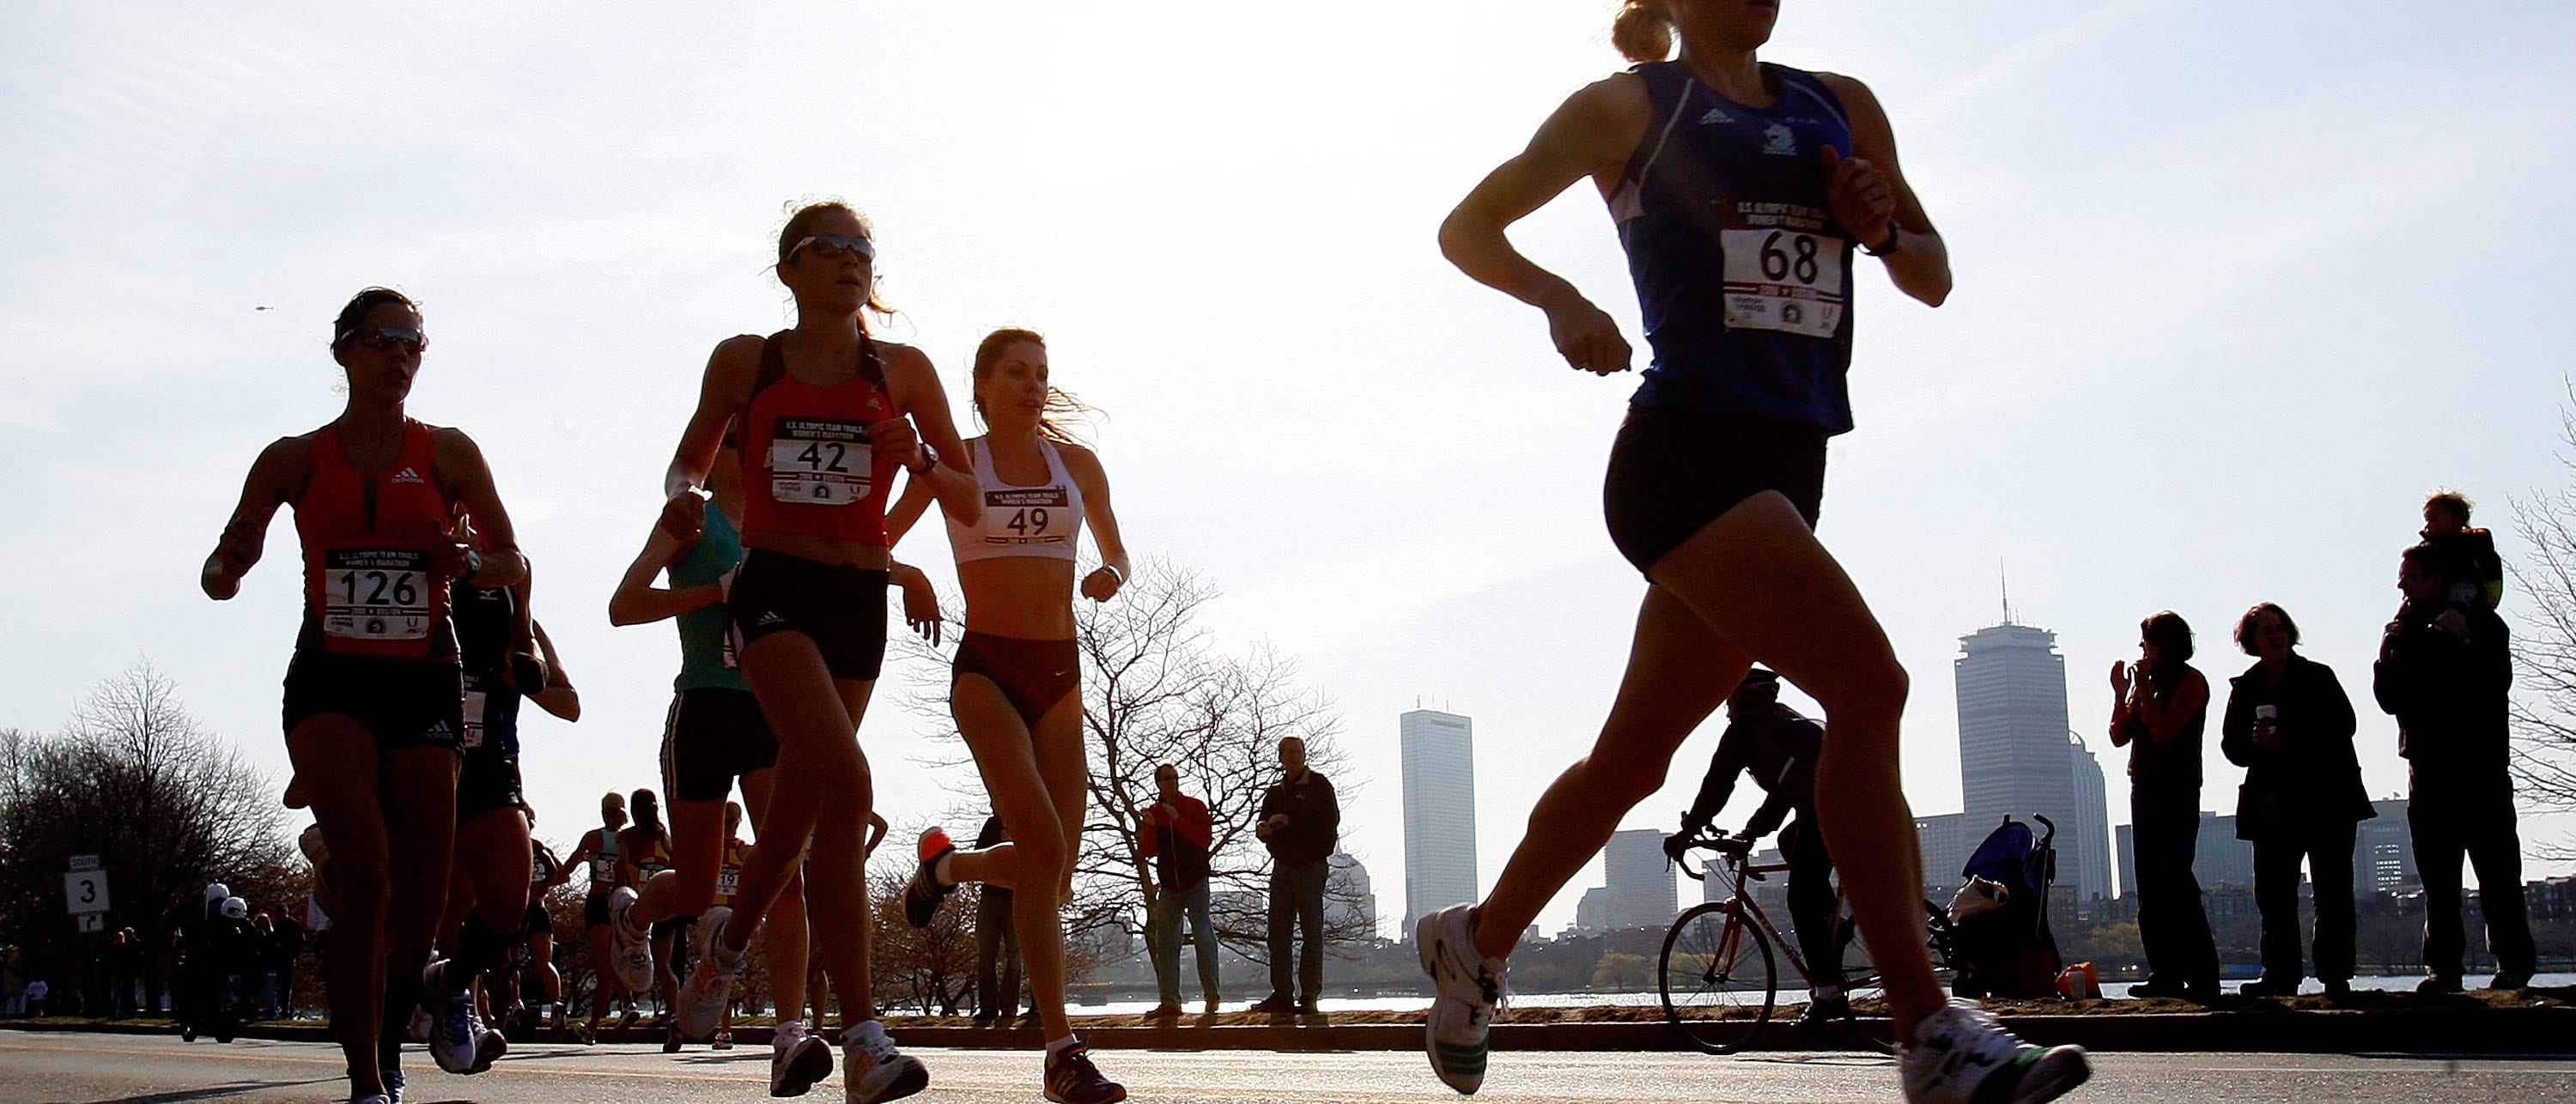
380,594
1784,269
819,461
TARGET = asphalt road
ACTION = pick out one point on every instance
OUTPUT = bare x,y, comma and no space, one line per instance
152,1069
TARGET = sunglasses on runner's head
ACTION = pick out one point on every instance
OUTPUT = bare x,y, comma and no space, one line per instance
835,246
382,338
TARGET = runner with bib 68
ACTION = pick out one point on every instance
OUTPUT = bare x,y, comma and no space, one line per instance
1740,189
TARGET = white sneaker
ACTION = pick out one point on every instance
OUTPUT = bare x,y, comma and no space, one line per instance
872,1070
796,1060
1470,992
710,986
1962,1054
630,949
458,1041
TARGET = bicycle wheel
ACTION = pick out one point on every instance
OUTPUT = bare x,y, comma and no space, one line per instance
1716,978
1868,995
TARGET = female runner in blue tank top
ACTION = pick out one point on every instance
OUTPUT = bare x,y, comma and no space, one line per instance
1740,189
1016,690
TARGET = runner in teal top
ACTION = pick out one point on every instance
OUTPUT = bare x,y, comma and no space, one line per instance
706,639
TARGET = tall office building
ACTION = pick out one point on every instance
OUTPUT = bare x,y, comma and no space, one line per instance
2383,853
2018,758
1640,880
2089,838
1943,838
1439,812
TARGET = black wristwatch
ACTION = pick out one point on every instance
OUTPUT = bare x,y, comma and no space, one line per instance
930,451
1894,235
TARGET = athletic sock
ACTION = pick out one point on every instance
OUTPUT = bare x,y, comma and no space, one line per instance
480,949
1061,1045
939,871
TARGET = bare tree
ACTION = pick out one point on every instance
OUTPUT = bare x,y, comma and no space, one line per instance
932,968
165,805
2544,704
1156,690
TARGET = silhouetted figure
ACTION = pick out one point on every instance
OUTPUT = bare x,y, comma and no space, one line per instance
2470,563
997,942
2160,707
1300,820
2443,672
2289,724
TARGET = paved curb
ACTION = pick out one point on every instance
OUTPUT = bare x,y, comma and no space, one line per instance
2547,1030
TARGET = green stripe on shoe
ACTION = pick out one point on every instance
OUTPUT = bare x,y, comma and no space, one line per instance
1460,1057
2004,1084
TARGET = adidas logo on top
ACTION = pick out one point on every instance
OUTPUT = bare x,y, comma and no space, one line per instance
1715,115
408,476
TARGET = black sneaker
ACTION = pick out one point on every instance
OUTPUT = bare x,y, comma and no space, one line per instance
1824,1010
1072,1079
922,893
1274,1005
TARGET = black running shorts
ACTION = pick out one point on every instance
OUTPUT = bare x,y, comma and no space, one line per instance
489,780
842,609
594,910
1674,471
711,736
402,702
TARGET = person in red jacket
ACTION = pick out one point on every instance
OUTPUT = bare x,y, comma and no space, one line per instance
2159,707
1176,831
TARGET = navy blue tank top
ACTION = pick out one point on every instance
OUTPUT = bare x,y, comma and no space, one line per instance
1743,277
485,619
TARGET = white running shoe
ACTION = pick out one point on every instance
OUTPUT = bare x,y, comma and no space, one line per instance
797,1059
710,986
1962,1054
458,1041
630,948
1471,991
872,1070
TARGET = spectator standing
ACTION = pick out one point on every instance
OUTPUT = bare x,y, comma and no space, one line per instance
2160,707
1300,823
1177,832
262,964
2290,725
2443,672
285,944
997,942
37,990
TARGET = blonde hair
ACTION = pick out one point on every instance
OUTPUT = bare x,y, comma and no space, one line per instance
1643,30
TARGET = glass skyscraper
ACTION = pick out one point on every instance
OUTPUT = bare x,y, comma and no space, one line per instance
1439,752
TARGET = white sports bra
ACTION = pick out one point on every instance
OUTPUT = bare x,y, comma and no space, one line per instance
1040,520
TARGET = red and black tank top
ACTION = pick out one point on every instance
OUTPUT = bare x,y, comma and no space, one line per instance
368,586
806,465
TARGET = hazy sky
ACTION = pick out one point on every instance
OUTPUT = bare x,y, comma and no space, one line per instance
2236,284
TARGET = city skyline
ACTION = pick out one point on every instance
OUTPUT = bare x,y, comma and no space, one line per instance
2018,755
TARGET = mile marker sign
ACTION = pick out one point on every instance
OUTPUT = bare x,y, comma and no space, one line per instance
85,891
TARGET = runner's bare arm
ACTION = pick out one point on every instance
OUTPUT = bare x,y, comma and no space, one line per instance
461,468
559,696
280,469
1590,135
908,507
1093,479
1920,263
721,394
914,386
636,601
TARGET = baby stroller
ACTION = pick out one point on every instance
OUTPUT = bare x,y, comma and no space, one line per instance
2005,946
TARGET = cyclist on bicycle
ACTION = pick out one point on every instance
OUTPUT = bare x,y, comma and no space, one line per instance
1778,747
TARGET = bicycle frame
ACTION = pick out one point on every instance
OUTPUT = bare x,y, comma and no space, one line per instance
1743,871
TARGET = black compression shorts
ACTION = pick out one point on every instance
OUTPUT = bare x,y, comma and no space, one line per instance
842,609
711,736
1674,471
488,780
403,703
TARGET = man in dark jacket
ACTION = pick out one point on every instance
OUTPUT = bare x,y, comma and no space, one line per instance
1300,821
2444,674
1778,747
2290,726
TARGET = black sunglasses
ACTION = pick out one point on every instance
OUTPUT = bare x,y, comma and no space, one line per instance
835,247
385,338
